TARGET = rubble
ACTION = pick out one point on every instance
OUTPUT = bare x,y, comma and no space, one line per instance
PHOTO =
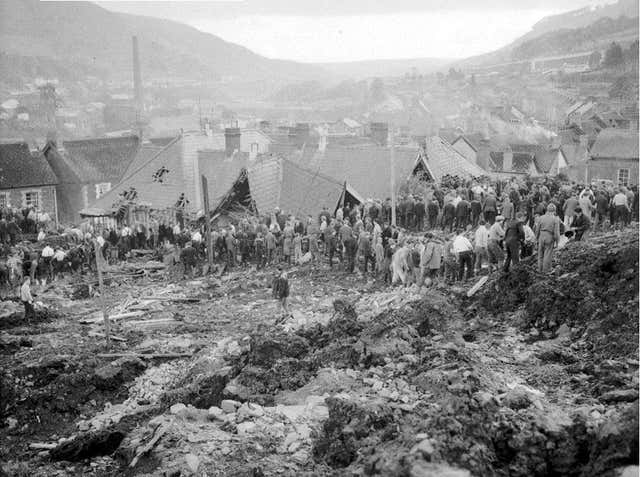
359,380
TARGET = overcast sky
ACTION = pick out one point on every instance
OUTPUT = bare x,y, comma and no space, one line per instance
348,30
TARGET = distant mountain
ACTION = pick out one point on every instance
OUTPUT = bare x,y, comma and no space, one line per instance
42,37
576,31
374,68
583,17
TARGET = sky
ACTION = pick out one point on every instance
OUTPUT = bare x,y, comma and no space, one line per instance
351,30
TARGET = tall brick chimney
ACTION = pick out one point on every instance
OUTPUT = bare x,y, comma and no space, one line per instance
137,77
380,133
231,141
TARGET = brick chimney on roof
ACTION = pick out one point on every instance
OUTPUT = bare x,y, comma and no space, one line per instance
231,141
380,133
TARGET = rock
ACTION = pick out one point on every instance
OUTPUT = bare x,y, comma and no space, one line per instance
427,469
245,427
425,448
629,471
11,423
620,395
517,398
564,331
193,462
177,408
229,405
249,410
215,413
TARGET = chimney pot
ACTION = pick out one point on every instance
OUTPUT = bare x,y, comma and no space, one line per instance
231,140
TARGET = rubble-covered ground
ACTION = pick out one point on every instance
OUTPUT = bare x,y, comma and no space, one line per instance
532,376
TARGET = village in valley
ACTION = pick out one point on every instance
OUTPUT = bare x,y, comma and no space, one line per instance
214,263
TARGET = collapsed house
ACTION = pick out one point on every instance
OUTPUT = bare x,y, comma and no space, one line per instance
275,182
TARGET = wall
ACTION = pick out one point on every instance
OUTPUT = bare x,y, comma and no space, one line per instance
47,198
72,199
608,169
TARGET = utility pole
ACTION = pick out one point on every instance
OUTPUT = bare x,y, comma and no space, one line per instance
105,314
207,220
392,160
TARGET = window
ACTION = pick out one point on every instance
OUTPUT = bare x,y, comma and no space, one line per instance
623,177
4,200
102,188
31,199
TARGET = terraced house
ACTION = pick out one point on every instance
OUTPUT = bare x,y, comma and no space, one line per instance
27,180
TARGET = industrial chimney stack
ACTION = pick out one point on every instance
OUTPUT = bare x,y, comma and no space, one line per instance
137,85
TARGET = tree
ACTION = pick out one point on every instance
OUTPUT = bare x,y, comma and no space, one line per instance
594,60
613,57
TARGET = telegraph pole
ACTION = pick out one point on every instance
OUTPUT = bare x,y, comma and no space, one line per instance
392,160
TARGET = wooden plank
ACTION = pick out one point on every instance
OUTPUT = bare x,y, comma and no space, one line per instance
121,316
474,289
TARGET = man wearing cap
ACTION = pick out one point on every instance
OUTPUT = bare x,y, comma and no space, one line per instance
581,224
547,235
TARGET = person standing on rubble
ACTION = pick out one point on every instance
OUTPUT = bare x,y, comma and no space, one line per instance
581,224
431,259
27,299
280,291
513,239
494,247
350,250
464,253
547,235
481,245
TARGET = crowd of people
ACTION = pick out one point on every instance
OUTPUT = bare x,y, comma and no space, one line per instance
447,231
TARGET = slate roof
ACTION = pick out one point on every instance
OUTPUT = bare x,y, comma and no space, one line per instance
95,160
442,159
221,172
520,162
545,160
365,168
616,143
278,182
472,139
140,175
575,153
20,168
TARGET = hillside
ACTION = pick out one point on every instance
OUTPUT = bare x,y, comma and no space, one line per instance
46,37
576,31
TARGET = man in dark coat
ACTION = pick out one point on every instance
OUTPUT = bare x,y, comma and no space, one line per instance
513,240
462,213
420,211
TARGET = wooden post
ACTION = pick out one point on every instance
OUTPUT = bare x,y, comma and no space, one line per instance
392,160
105,314
207,220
